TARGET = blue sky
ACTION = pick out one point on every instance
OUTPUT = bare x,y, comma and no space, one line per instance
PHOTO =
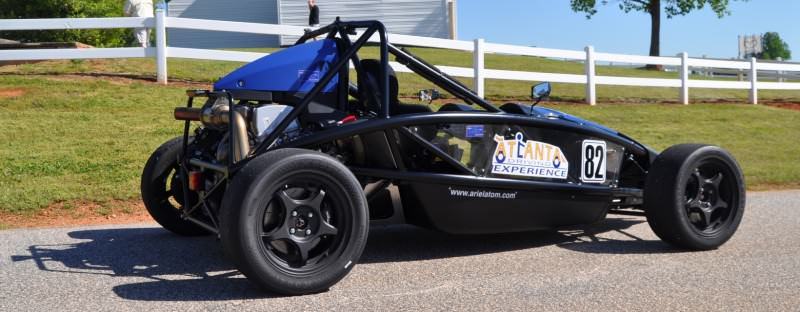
551,24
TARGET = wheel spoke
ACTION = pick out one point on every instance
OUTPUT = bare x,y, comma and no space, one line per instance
316,201
288,202
326,228
281,232
698,192
720,204
715,181
714,224
303,247
706,216
277,234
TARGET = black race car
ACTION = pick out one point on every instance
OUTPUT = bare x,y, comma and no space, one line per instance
289,161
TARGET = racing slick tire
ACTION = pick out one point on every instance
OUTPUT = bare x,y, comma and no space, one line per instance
694,196
294,221
162,192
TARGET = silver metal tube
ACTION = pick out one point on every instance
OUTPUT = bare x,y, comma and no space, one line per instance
240,141
202,224
217,115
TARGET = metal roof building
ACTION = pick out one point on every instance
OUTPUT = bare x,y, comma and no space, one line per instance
429,18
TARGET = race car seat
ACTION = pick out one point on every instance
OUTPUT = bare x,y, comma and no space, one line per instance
370,81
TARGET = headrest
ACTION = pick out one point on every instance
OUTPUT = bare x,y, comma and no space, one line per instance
372,69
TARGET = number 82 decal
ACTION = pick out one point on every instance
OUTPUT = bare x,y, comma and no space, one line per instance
593,161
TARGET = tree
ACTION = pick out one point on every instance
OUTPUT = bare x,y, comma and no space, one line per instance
66,8
653,7
774,47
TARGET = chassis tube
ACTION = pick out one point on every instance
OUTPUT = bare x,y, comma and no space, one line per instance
384,70
460,117
207,165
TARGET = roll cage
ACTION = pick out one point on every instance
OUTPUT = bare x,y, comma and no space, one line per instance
344,30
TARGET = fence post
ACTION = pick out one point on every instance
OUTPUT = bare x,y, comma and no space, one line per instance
591,94
753,81
477,65
780,72
161,47
684,78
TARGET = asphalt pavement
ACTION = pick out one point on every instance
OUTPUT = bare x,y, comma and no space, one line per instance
618,264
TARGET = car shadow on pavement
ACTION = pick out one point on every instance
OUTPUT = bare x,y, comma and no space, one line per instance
175,268
594,238
408,243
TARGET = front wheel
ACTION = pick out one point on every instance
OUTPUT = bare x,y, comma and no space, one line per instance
294,221
694,196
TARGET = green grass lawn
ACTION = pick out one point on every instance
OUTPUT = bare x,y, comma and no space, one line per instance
74,137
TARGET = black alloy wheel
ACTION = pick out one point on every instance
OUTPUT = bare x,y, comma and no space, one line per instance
300,226
709,190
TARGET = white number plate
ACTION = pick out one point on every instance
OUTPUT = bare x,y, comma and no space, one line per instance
593,161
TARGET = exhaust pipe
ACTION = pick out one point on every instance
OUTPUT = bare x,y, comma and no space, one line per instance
217,115
188,113
241,145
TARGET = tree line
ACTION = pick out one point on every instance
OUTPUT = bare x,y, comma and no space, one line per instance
773,46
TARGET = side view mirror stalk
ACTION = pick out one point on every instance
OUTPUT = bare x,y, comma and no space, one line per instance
539,92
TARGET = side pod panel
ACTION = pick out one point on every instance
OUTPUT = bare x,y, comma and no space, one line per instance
462,209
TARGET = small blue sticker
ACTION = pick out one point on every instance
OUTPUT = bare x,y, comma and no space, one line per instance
308,75
474,131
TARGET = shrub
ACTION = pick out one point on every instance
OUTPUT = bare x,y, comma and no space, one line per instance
66,8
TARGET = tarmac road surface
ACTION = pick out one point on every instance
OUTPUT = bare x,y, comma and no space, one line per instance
618,264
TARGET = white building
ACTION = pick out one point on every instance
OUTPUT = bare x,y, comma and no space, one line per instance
430,18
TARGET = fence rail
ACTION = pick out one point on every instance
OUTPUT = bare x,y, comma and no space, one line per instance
478,47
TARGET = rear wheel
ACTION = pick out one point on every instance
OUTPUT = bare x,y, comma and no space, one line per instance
162,190
294,221
694,196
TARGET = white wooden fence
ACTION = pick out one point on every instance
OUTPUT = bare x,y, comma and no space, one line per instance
478,47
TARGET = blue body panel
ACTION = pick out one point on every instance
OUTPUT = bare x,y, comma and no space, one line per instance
294,69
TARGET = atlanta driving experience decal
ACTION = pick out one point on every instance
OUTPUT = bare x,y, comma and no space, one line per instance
528,158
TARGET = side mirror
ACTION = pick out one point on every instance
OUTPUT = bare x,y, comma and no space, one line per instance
540,91
428,95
